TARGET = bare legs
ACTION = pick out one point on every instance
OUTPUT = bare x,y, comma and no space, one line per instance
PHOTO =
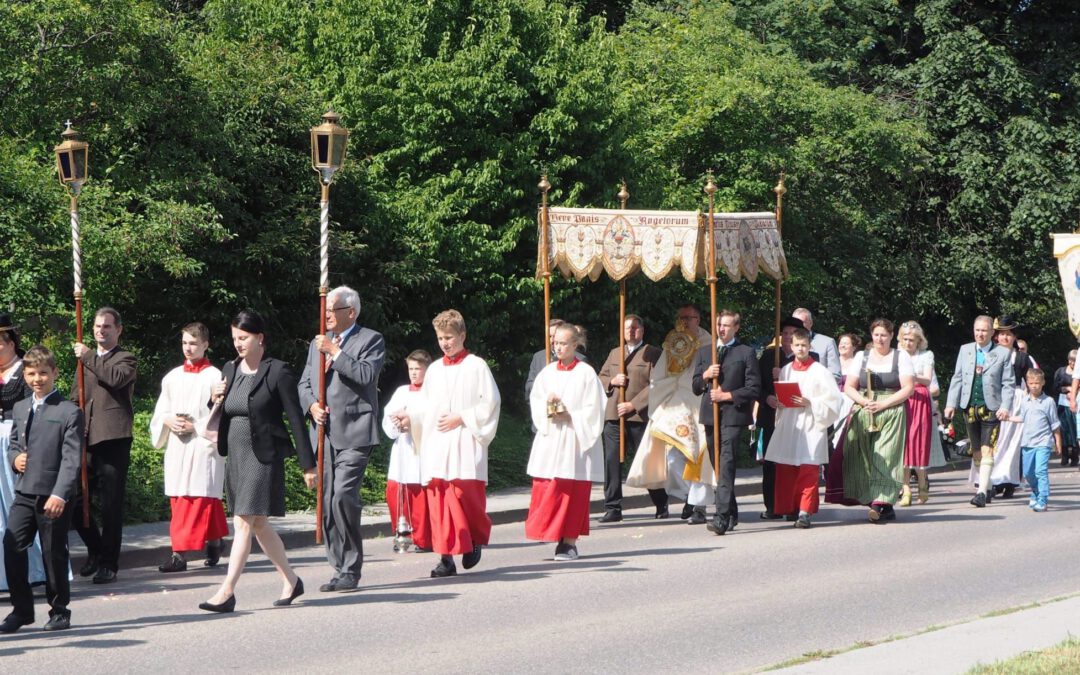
244,527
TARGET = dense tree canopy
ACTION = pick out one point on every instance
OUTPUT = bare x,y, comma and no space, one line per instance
929,148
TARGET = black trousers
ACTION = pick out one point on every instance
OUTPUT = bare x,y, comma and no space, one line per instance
635,431
768,472
725,489
25,520
108,472
343,473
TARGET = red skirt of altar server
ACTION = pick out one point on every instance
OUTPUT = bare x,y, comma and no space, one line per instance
559,509
458,512
414,506
195,521
796,488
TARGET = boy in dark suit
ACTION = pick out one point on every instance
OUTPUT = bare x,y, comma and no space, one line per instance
46,439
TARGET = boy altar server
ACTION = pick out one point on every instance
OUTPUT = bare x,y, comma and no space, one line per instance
453,423
405,494
800,442
567,403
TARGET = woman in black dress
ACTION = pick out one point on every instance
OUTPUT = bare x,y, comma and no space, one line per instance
257,390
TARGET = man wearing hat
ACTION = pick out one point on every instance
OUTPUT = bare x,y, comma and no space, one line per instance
766,409
982,387
1007,474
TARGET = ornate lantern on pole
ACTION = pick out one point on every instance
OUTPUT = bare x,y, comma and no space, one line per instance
72,164
328,144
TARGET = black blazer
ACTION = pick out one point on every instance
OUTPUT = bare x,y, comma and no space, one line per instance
738,375
54,450
272,393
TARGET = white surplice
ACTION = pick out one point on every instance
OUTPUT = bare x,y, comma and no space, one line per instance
801,434
404,459
672,436
573,449
469,390
193,468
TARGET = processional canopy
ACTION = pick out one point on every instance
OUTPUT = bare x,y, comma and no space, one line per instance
584,243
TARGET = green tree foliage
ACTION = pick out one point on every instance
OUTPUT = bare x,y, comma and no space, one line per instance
993,83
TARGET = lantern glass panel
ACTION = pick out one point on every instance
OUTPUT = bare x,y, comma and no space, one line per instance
64,158
339,149
80,163
322,149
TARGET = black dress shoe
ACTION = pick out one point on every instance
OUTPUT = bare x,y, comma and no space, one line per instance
1009,492
213,553
14,622
687,511
697,518
58,622
979,500
611,517
470,559
224,608
445,568
330,586
347,582
89,567
732,521
297,591
175,564
104,576
769,515
662,512
717,525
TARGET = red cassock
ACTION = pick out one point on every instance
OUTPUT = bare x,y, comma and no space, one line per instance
458,512
796,489
558,509
195,521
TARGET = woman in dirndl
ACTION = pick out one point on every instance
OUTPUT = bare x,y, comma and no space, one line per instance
879,382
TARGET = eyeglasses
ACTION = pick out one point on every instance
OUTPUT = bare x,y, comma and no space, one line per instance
337,309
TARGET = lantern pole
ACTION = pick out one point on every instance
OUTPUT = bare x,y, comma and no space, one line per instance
545,267
71,167
624,196
710,262
328,142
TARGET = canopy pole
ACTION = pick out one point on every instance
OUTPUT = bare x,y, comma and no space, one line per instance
710,261
624,196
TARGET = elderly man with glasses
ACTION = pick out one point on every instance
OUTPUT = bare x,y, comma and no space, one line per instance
354,359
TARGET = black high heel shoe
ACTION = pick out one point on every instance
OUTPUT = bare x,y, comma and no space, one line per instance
297,591
224,608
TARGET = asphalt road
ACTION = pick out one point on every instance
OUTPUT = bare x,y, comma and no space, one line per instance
647,596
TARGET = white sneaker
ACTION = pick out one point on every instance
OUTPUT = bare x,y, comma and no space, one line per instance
1039,508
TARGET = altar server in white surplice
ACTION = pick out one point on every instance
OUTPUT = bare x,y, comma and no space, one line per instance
453,423
405,495
567,404
800,442
194,471
672,453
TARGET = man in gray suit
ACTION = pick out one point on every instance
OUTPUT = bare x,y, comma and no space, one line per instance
354,359
822,345
982,386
